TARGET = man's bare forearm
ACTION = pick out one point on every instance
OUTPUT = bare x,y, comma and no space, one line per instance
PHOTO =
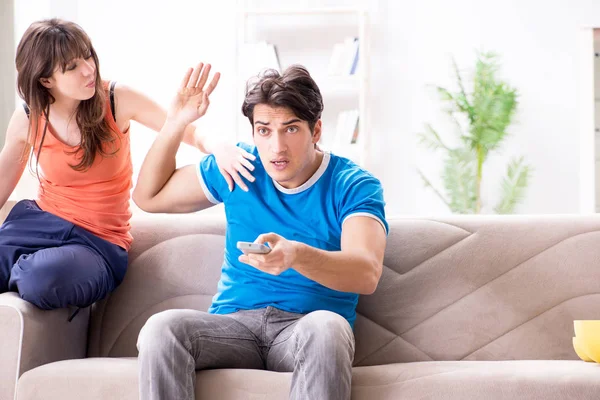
343,271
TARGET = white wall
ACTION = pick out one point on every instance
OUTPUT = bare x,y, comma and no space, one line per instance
25,12
7,66
538,42
411,47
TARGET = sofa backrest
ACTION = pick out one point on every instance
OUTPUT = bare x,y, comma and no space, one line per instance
459,288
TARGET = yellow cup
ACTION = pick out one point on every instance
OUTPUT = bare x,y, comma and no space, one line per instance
580,352
587,339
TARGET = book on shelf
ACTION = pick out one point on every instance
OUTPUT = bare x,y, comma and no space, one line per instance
346,132
354,67
355,133
344,58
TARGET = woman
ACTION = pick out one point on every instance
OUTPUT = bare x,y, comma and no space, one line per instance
69,247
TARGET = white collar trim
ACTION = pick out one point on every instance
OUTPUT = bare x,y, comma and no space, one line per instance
313,179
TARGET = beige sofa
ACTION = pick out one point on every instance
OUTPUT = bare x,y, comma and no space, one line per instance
467,308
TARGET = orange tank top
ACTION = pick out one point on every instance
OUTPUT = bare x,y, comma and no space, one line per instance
96,199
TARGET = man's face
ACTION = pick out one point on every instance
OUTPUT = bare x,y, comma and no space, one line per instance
285,144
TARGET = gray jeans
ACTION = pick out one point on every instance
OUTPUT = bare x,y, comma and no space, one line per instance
317,347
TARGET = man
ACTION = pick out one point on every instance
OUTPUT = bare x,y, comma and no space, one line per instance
323,218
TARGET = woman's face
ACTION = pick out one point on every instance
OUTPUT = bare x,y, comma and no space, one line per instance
77,81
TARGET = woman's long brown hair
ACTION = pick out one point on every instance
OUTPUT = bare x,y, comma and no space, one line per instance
46,46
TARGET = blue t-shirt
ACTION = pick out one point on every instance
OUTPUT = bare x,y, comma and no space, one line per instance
312,213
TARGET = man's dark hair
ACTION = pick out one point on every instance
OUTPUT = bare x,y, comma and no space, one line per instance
294,89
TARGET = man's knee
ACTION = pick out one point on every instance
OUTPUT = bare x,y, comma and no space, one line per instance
157,329
326,330
326,322
169,328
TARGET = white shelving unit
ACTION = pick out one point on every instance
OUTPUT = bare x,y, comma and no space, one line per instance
307,37
597,119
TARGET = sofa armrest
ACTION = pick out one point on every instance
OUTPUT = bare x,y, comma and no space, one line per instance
31,337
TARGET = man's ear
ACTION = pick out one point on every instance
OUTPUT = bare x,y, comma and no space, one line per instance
48,83
317,132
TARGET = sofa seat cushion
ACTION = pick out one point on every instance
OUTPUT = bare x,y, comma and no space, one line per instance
116,378
489,380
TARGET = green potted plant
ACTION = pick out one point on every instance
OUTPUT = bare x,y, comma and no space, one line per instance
487,110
